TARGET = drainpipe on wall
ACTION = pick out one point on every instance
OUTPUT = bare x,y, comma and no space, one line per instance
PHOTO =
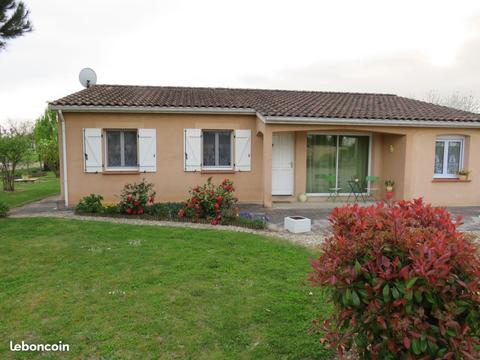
64,158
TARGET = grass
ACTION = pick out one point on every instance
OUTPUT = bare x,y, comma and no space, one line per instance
26,193
115,291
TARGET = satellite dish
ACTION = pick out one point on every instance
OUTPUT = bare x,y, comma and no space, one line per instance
87,77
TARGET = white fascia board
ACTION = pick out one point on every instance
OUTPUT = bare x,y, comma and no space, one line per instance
368,122
153,109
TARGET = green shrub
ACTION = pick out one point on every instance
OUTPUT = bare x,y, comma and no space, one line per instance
135,197
3,209
164,211
90,204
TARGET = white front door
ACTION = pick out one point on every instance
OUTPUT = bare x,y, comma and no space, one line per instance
282,163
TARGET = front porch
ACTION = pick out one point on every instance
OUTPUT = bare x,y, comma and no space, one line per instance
319,161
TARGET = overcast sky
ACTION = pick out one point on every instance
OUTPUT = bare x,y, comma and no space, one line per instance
403,47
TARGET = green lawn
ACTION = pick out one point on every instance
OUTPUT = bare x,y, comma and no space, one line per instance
140,292
25,193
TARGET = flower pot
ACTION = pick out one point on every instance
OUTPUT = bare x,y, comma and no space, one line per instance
463,177
389,188
302,197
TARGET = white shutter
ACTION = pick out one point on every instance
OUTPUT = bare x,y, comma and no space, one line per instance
92,150
147,150
243,144
192,146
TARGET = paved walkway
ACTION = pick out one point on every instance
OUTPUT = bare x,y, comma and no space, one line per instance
48,208
319,214
276,215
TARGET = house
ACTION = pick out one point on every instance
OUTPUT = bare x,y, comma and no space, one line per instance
274,144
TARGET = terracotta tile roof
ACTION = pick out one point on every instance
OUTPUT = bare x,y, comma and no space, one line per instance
269,102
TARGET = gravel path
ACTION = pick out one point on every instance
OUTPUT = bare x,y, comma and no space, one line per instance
312,240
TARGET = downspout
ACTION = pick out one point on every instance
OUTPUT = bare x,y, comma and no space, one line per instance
64,158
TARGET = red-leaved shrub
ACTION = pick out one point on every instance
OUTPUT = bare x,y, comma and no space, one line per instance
405,283
135,197
210,202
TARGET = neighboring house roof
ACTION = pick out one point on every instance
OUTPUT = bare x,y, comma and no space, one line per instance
268,103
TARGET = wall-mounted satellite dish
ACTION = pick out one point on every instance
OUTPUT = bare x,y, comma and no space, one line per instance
87,77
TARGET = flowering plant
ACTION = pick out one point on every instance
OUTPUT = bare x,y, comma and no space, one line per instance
210,202
135,197
406,283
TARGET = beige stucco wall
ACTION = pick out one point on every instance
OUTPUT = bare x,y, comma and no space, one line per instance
171,181
437,192
405,155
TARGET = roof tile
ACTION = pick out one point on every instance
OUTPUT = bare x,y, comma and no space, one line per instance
289,103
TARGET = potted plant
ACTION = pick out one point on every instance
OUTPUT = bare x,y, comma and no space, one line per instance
463,174
389,184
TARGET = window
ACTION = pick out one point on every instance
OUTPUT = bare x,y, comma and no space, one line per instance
448,156
121,149
217,149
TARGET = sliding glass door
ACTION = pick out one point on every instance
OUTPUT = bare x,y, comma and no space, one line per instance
332,160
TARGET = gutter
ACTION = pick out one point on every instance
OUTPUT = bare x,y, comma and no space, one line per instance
64,157
153,109
267,119
369,122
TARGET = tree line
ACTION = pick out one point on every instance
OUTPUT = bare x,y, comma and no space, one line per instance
22,144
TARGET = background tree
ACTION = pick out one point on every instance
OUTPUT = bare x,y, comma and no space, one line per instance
456,100
46,140
13,20
15,144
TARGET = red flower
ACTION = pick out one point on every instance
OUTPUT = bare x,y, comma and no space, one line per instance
152,199
136,203
129,211
389,195
219,198
129,198
214,222
140,211
181,213
217,205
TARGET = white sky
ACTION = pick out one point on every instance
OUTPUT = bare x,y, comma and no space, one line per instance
404,47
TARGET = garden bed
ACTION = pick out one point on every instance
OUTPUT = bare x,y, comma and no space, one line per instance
239,221
206,204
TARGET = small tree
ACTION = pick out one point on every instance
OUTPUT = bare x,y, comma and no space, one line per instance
46,140
15,143
13,20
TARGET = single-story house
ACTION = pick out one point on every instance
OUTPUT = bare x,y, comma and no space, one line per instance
274,144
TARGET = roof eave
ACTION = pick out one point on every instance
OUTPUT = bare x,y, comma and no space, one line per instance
152,109
268,119
369,122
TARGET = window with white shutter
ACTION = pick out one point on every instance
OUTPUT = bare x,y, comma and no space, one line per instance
121,148
92,150
147,149
217,150
243,144
192,146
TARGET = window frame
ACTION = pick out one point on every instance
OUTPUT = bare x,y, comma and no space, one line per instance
218,167
122,149
446,141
